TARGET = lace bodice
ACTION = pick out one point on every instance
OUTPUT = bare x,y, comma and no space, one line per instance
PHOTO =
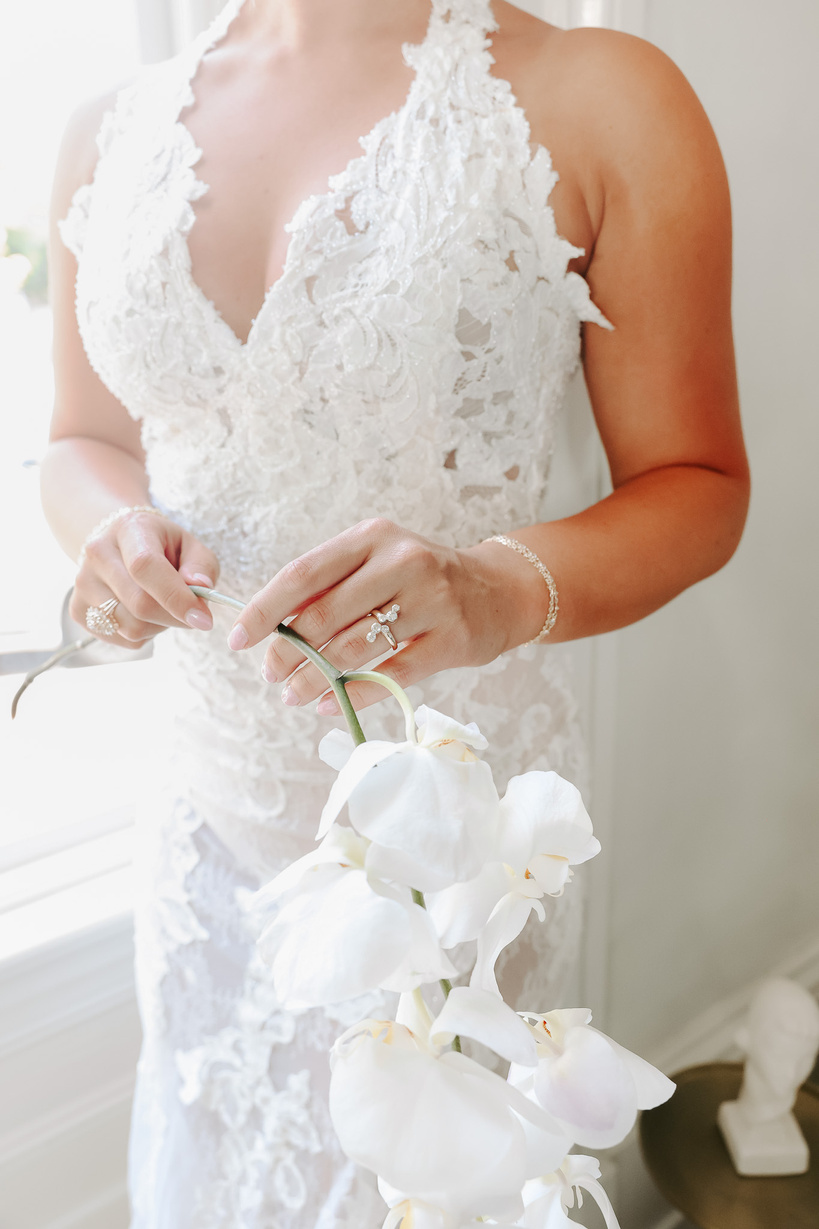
408,363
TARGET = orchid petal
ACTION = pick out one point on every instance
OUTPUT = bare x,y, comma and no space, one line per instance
414,1014
603,1202
524,1107
577,1172
461,911
588,1088
544,814
440,814
652,1087
411,1214
550,872
545,1209
424,961
559,1022
364,758
435,727
397,866
340,845
470,1012
551,1029
335,939
336,748
544,1149
441,1130
507,921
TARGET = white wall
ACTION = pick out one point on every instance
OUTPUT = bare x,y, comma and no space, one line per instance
716,773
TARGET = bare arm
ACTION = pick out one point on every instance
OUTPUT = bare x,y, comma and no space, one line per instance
95,464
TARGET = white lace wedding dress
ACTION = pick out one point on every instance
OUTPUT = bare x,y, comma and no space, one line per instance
408,363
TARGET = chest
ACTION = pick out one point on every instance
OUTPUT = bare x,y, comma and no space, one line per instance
424,283
273,132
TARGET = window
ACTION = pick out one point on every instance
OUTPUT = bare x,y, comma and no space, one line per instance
69,762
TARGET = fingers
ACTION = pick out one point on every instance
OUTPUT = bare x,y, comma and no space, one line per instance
302,581
351,649
131,633
197,564
143,542
409,665
333,615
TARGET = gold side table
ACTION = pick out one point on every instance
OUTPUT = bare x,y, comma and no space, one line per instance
686,1157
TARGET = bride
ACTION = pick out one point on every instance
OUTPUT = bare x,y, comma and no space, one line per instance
324,371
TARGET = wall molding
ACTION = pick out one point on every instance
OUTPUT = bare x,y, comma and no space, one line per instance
68,1169
66,1119
73,979
100,1213
709,1037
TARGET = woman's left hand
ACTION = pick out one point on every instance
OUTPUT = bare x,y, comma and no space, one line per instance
457,608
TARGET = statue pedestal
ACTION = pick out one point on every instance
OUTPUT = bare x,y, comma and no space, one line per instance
686,1155
764,1148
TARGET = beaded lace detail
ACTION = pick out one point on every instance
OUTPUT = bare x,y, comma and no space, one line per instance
408,363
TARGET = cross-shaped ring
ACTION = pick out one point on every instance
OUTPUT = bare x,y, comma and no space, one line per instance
382,627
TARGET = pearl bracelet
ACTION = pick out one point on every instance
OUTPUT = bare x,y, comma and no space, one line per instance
108,521
551,617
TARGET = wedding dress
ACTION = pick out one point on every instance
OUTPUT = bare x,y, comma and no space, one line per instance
408,363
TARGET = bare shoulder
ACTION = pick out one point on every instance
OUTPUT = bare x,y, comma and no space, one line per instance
618,116
630,90
637,118
78,154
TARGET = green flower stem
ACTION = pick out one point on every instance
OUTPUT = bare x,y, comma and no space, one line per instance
444,983
373,676
334,677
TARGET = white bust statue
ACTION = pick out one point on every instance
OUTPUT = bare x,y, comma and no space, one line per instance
780,1039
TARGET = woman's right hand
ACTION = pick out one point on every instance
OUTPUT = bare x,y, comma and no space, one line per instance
146,562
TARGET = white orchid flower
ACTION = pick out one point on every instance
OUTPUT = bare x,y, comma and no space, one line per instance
337,932
548,1199
487,1019
433,1124
408,1213
429,807
591,1085
544,831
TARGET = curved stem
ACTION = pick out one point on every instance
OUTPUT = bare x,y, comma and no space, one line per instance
334,676
219,599
374,676
76,647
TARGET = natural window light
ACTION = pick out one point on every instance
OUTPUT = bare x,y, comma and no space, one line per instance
69,762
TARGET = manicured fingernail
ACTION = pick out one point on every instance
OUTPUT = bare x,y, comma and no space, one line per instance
199,619
327,707
267,674
289,696
199,578
237,638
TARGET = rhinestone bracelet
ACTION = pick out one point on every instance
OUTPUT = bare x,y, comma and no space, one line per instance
108,521
551,617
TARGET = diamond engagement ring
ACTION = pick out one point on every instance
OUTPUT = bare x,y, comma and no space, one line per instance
382,627
101,619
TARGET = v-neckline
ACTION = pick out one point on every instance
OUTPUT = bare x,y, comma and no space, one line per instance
210,39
